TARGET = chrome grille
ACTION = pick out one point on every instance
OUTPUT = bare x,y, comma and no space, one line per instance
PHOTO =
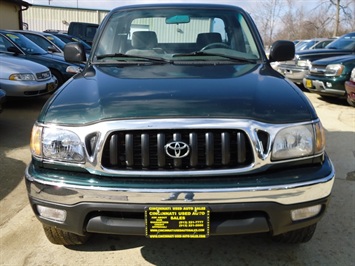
317,70
208,149
43,75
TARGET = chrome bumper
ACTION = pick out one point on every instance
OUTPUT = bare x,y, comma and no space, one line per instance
283,194
234,209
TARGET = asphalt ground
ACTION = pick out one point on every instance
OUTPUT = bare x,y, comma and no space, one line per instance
22,240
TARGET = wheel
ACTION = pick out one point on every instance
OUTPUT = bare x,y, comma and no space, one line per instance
58,76
60,237
351,103
302,235
215,45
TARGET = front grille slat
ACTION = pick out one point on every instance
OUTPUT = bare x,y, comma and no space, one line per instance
241,148
114,150
129,149
225,145
208,149
193,149
145,149
161,150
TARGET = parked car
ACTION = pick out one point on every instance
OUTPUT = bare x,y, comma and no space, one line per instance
69,38
327,76
350,88
307,44
83,30
296,69
322,44
18,45
183,133
46,41
2,99
22,78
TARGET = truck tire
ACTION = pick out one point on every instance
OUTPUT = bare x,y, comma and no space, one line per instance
60,237
298,236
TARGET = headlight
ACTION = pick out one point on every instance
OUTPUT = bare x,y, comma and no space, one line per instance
334,70
298,141
56,144
352,76
22,77
304,63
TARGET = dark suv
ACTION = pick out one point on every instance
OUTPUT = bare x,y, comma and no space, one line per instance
327,76
297,69
178,127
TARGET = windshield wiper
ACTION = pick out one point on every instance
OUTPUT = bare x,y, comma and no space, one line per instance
230,57
121,55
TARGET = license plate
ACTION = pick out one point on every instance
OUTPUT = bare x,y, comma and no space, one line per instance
308,83
51,86
177,222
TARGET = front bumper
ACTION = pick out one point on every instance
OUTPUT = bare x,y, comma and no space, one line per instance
326,87
28,88
234,209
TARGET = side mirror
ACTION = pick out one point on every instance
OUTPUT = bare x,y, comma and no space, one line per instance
52,49
14,50
282,51
74,52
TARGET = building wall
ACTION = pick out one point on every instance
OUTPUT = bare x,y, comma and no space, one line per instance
9,16
40,18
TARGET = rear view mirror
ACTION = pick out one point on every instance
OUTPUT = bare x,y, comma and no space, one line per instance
178,19
14,50
52,49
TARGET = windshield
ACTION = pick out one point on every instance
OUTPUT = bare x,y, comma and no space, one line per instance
345,42
25,44
54,39
177,34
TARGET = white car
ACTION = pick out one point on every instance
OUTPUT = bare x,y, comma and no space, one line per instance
23,78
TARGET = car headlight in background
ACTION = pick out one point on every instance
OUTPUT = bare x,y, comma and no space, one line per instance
56,144
334,70
22,77
298,141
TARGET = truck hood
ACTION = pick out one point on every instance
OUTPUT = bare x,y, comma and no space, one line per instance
245,91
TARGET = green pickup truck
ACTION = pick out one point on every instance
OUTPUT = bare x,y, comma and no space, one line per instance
178,127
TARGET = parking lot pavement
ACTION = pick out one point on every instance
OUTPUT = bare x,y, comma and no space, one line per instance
22,241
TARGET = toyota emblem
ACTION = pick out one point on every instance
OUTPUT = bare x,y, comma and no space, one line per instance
177,149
